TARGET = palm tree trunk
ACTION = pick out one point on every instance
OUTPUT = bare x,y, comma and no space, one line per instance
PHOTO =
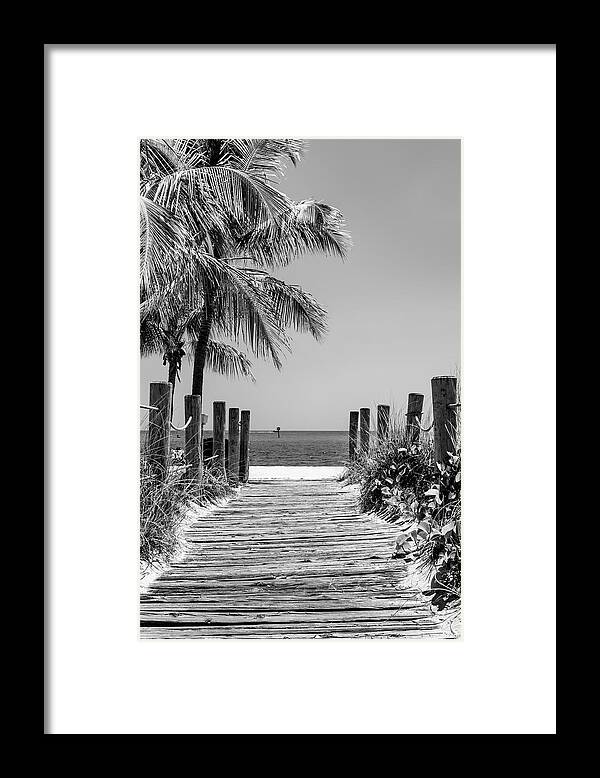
201,351
202,343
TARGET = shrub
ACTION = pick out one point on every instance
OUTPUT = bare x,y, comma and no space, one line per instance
394,468
400,481
432,539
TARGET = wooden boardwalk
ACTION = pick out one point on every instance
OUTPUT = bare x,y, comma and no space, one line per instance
287,559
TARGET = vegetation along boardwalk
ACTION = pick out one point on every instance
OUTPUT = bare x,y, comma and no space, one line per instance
287,559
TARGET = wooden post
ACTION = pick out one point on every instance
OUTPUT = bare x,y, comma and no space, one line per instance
414,412
219,434
443,396
233,461
203,420
353,435
244,446
207,450
365,425
193,436
159,427
383,421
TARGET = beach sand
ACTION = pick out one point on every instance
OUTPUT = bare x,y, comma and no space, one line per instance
293,473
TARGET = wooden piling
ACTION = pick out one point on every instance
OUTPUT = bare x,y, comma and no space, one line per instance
365,426
244,446
353,435
203,420
159,427
219,434
233,460
443,396
414,413
193,436
207,450
383,421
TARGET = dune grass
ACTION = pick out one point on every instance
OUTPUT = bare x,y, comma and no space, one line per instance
165,502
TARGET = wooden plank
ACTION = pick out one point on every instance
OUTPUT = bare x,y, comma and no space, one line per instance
288,559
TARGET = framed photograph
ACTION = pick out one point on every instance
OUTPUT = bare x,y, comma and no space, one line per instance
299,318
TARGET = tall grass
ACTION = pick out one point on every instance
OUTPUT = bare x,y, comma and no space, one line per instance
164,503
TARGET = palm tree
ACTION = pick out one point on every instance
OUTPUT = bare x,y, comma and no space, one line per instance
170,341
216,220
287,305
292,307
181,217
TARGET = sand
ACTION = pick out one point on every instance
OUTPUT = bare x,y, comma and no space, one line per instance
294,473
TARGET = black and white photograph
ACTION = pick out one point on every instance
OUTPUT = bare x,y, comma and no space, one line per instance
300,369
300,398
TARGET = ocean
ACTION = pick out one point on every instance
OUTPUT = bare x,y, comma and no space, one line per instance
297,447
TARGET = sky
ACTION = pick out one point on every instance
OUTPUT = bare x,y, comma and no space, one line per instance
393,305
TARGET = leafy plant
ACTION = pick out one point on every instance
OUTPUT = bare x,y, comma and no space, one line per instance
433,537
400,481
396,475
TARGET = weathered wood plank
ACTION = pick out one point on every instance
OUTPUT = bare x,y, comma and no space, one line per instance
287,559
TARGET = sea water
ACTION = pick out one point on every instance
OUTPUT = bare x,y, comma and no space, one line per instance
299,448
296,447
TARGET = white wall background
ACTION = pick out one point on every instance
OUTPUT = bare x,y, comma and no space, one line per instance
502,102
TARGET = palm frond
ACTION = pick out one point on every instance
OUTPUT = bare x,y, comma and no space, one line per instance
240,307
265,156
194,152
228,361
188,195
292,306
158,158
237,194
308,227
162,239
243,311
159,337
150,337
